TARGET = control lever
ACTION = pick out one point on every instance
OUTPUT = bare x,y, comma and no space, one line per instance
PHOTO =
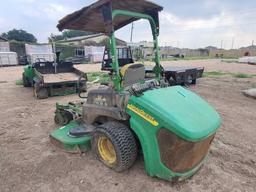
82,86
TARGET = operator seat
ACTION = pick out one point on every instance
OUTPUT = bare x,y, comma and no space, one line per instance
132,73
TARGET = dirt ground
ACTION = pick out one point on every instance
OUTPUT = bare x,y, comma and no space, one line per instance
29,162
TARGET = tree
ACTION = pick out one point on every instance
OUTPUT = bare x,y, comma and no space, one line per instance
20,35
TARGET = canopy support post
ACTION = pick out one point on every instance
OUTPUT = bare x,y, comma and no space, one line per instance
115,66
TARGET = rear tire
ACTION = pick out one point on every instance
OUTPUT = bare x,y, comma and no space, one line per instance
40,92
115,146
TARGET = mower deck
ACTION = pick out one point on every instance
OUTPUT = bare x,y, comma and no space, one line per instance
73,144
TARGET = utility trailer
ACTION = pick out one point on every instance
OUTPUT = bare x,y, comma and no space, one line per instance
179,75
50,79
173,75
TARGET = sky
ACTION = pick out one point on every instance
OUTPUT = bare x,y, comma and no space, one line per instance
183,23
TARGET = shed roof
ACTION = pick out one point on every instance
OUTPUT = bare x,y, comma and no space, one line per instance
3,39
90,18
96,38
83,37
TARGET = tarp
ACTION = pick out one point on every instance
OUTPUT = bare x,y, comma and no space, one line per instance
250,93
4,47
251,60
38,49
8,58
39,52
36,57
95,53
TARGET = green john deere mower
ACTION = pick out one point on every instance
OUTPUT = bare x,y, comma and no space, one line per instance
171,126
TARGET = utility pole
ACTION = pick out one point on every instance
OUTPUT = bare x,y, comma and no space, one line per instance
54,51
131,33
233,40
177,48
221,43
252,43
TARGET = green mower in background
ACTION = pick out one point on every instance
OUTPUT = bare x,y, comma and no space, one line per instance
171,126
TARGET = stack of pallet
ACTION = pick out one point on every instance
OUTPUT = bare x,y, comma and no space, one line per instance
7,58
250,60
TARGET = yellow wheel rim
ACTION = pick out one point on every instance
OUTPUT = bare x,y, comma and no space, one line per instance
106,150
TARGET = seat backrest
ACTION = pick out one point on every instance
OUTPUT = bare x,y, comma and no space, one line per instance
132,73
64,67
45,67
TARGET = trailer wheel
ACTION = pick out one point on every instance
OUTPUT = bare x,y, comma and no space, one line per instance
40,92
84,87
171,81
190,79
114,145
25,81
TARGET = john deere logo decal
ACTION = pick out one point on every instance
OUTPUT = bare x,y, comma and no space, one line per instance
142,113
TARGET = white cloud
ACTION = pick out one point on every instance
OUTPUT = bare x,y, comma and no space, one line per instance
4,24
32,12
43,11
54,11
191,33
223,19
202,32
27,1
41,17
56,8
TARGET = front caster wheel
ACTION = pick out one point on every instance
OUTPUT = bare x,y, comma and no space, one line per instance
62,117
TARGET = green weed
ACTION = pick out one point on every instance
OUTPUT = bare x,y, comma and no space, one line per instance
19,82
